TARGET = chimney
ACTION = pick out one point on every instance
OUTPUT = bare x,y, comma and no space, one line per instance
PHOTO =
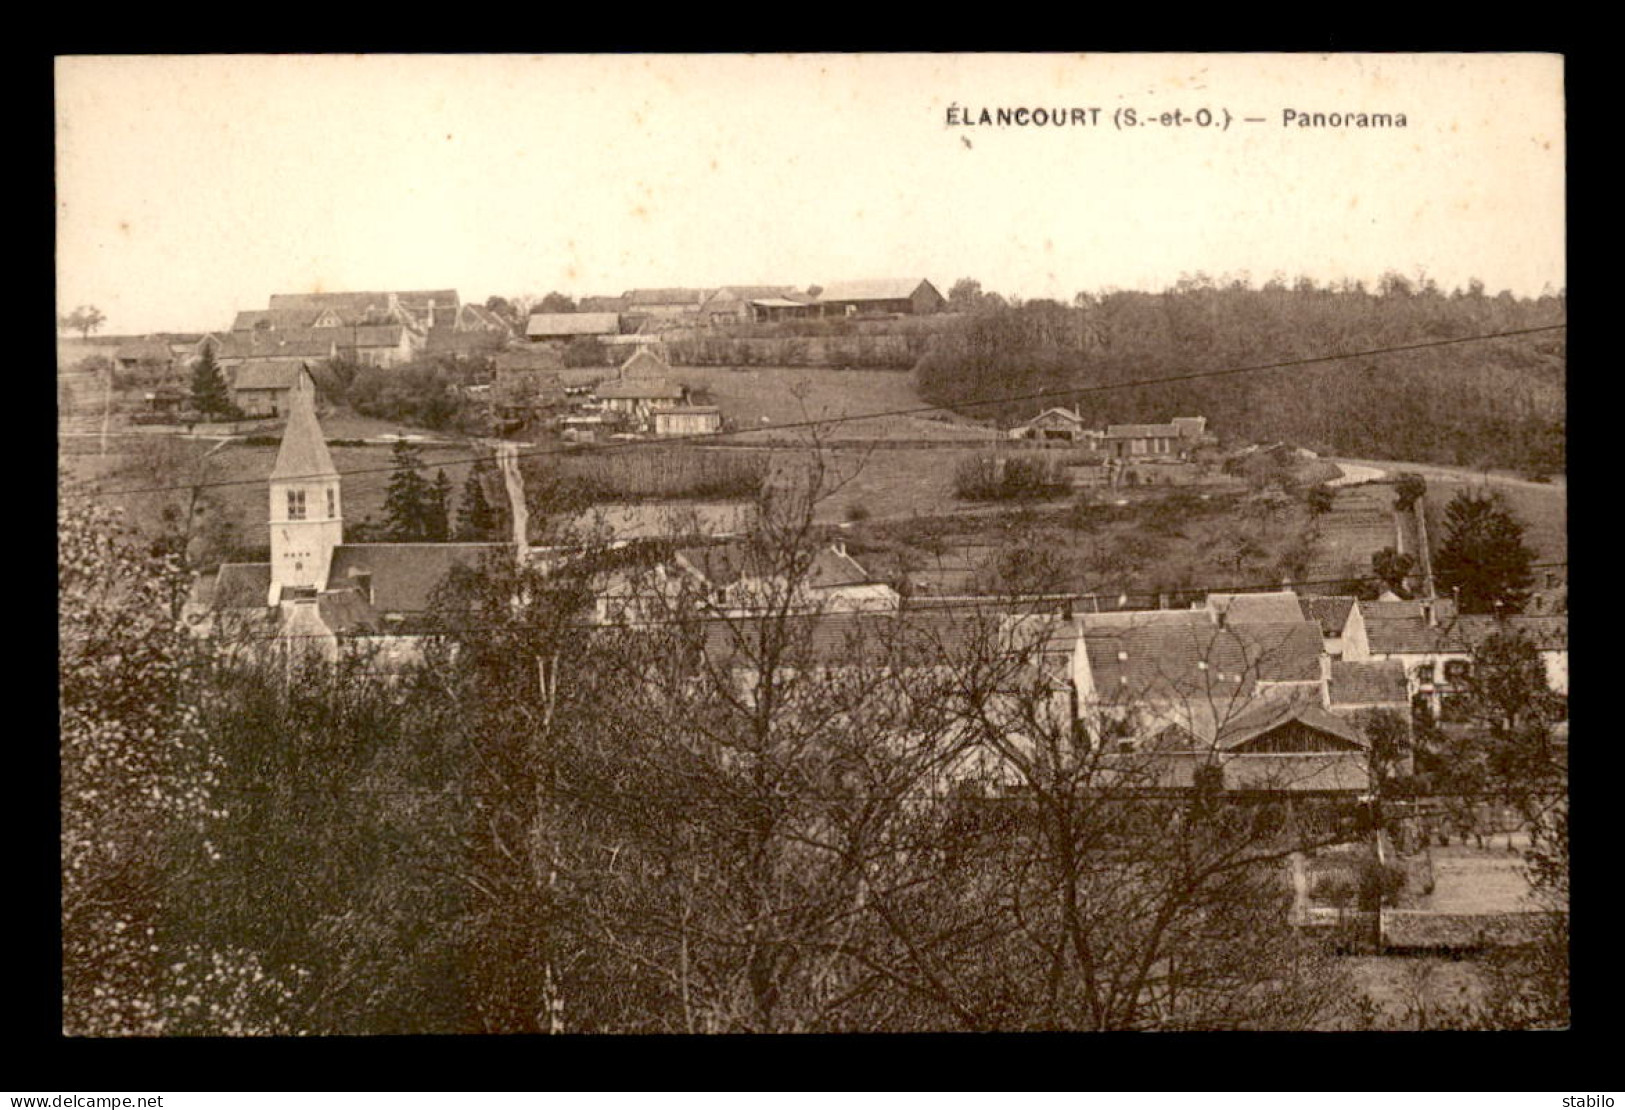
430,320
1429,613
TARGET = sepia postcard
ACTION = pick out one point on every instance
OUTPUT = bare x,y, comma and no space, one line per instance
812,543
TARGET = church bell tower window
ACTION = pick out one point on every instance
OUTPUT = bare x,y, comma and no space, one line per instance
296,504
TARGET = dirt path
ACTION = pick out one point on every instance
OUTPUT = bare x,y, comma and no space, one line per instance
514,481
1455,473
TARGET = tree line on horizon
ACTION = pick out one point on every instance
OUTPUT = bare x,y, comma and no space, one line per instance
1490,403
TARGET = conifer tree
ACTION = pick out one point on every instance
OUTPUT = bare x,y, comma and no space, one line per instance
209,393
476,519
408,505
1483,558
438,524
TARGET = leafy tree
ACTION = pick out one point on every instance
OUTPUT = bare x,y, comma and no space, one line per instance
1408,490
84,320
409,504
585,350
1392,568
965,295
1320,500
556,302
209,393
1483,558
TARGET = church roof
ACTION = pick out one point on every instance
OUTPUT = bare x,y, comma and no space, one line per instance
304,452
404,575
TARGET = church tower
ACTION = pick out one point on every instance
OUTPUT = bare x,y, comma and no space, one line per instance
307,520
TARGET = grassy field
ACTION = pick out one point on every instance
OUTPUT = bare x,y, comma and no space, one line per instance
1543,511
761,398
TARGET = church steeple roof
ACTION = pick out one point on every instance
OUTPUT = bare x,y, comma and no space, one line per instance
304,452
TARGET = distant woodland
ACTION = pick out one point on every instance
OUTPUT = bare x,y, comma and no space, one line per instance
1494,403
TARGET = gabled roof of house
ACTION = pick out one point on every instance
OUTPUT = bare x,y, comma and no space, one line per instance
1065,414
1270,714
645,363
271,373
1138,618
874,289
447,341
573,323
1331,613
284,319
347,612
638,389
371,335
1142,431
476,317
1165,661
404,575
831,568
145,349
299,343
1275,607
242,586
645,297
1374,683
529,358
1192,427
303,453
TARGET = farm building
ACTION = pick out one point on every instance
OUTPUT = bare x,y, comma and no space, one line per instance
637,398
686,420
1175,439
561,327
664,302
148,357
735,304
263,387
1052,425
888,296
241,348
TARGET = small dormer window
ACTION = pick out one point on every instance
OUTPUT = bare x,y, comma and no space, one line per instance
296,504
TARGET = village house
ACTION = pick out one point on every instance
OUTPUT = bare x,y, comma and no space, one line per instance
686,420
265,387
637,398
1055,425
562,327
1173,440
736,304
419,310
241,348
882,297
736,578
148,358
1436,648
672,304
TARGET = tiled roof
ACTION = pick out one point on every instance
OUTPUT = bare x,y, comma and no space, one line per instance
144,350
446,341
645,364
644,297
404,575
1331,613
302,343
1172,662
270,373
831,568
573,323
1282,607
1139,618
878,289
259,319
347,612
373,335
242,586
1142,431
1377,683
476,317
1270,714
651,388
529,358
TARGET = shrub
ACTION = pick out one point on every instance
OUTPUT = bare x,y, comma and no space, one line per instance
857,513
1006,478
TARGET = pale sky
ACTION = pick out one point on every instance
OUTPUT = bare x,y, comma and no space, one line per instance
190,188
